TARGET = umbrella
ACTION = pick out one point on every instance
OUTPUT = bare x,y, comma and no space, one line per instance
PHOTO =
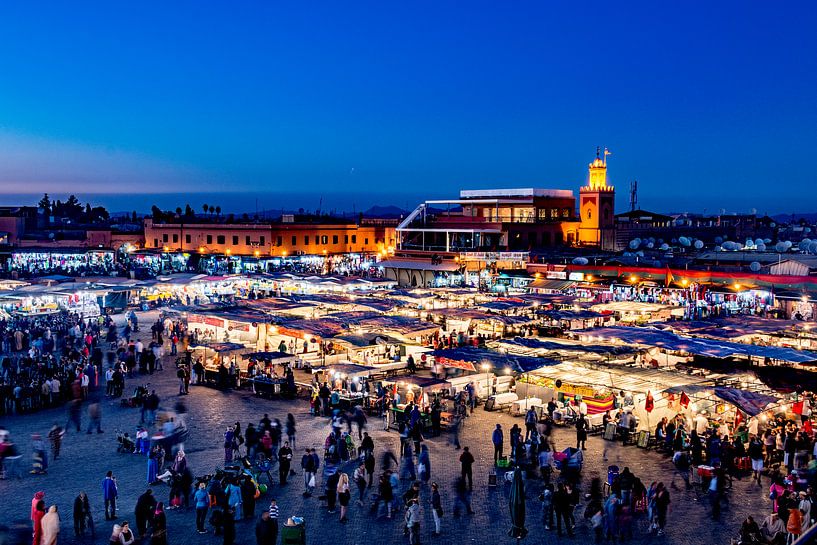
516,504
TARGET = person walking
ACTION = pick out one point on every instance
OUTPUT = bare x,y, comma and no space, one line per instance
424,464
51,526
290,429
94,417
359,477
412,519
55,436
284,463
662,502
109,494
309,468
498,439
562,508
74,414
344,495
462,497
82,516
467,463
385,494
456,429
201,500
530,422
436,508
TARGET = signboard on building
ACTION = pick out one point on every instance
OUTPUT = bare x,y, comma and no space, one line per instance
494,256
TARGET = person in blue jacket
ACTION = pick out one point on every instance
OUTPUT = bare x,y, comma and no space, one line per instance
109,494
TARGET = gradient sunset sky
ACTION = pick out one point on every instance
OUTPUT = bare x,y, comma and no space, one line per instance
708,104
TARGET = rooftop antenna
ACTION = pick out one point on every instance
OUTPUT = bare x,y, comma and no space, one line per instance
633,195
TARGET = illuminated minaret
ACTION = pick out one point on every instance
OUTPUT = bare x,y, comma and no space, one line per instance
597,206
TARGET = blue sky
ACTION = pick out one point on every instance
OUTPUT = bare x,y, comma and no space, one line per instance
708,104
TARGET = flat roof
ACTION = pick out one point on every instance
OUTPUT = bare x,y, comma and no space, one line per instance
518,192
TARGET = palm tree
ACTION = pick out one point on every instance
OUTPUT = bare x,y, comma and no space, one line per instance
204,208
179,211
218,211
212,209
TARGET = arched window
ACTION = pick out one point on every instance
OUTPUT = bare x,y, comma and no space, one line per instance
589,214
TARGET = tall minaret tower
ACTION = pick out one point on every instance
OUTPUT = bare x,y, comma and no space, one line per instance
597,206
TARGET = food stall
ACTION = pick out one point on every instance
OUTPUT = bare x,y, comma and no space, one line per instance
418,390
350,381
269,377
217,358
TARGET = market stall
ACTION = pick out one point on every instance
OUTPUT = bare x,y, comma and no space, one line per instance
217,359
417,390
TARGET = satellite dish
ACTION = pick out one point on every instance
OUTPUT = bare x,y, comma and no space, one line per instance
558,383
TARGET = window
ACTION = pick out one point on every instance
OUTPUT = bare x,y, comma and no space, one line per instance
294,240
565,212
221,239
346,239
554,212
247,240
366,241
261,241
279,241
209,239
164,237
235,240
175,238
334,239
324,239
187,239
354,239
589,214
156,242
306,240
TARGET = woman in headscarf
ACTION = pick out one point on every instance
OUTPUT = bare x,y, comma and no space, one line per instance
37,514
180,463
159,526
38,497
51,526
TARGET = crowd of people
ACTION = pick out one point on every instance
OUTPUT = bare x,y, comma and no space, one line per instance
350,470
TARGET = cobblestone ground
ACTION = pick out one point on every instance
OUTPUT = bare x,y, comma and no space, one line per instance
86,458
